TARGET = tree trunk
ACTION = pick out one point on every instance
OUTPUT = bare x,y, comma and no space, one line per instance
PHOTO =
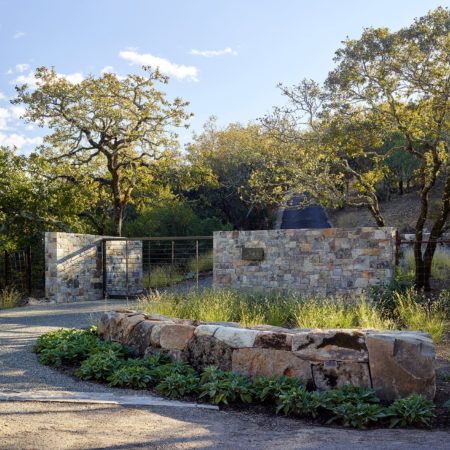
400,187
423,275
118,218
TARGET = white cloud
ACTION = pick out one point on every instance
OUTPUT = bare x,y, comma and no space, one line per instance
2,96
164,65
19,140
17,111
213,53
18,35
22,67
5,115
73,78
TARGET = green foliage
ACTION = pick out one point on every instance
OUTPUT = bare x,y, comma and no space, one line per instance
178,385
133,376
300,402
9,298
358,415
162,276
414,410
269,388
387,309
108,362
99,366
224,387
416,312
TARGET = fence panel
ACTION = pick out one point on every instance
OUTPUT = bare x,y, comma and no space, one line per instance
24,270
166,261
440,269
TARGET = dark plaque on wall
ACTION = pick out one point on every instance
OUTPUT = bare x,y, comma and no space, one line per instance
253,254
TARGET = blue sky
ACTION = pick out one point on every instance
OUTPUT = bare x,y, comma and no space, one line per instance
224,56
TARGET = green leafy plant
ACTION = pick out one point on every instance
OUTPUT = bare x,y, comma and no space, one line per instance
9,297
269,388
99,366
414,410
178,385
300,402
349,394
224,387
133,376
161,372
358,415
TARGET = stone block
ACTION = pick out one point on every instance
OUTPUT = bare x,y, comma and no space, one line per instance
324,345
402,363
139,338
275,340
204,351
175,337
255,362
236,337
335,374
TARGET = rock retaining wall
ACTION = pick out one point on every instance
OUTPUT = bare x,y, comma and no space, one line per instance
395,363
325,261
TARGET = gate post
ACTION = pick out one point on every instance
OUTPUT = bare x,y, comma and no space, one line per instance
104,268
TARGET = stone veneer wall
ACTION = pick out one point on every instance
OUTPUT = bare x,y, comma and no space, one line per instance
394,363
73,267
324,261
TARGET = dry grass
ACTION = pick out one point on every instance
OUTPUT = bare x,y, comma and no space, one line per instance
9,298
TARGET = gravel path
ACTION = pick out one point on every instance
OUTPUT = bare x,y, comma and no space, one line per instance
34,425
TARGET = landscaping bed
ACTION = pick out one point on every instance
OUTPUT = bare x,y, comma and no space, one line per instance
84,354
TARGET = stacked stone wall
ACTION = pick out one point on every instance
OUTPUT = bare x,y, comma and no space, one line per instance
394,363
324,261
74,267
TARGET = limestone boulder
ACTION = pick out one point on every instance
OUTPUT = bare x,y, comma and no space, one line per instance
204,350
236,337
115,329
267,362
176,336
402,363
335,374
334,345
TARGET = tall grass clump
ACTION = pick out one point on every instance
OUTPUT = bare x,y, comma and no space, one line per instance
9,297
204,263
339,313
416,312
162,276
405,310
440,266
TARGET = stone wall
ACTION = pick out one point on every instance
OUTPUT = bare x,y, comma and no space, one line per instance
325,261
74,267
395,363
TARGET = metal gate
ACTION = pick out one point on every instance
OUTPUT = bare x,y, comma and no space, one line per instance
135,266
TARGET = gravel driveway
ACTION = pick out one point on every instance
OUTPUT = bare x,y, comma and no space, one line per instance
33,425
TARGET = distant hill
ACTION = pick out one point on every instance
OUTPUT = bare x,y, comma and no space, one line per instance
401,212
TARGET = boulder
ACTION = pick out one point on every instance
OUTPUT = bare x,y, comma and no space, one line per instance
402,363
326,345
139,338
176,336
127,325
104,323
205,351
236,337
267,362
115,329
334,374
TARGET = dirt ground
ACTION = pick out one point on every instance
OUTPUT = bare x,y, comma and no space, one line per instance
30,425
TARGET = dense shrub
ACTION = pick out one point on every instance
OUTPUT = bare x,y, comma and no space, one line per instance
109,362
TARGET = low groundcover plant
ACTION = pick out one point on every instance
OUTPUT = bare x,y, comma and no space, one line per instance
111,362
